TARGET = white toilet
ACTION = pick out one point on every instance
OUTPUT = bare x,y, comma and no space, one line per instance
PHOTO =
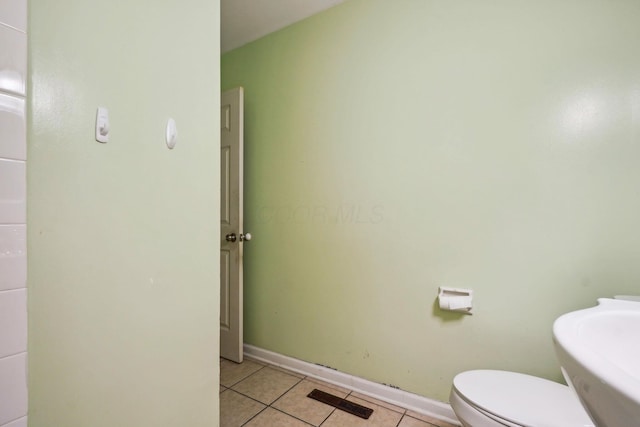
487,398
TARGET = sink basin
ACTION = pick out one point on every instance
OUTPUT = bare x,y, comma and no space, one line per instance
599,351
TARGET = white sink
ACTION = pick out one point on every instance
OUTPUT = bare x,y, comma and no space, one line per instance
599,351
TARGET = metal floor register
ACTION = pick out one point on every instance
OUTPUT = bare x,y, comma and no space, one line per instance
340,403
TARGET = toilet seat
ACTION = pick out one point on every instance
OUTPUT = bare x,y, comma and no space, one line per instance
512,399
470,416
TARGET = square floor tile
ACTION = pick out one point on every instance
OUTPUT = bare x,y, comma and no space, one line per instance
232,373
266,385
272,418
236,409
295,402
413,422
381,417
433,421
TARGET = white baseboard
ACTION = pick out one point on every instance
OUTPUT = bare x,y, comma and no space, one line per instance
433,408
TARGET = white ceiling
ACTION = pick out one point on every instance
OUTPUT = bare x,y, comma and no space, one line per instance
242,21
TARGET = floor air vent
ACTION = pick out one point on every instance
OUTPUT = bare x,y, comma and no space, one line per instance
340,403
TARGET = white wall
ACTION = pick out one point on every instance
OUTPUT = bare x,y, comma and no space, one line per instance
13,257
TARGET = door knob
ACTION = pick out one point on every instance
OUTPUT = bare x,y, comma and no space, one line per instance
231,237
245,236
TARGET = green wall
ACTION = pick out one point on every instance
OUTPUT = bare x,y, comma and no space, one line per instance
393,147
123,255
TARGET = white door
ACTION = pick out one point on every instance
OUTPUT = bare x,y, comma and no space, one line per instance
231,231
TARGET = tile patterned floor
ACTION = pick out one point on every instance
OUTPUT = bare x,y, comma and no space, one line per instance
253,394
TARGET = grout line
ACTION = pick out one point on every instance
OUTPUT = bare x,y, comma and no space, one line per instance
14,355
249,420
12,421
4,24
290,415
14,94
328,416
243,395
244,378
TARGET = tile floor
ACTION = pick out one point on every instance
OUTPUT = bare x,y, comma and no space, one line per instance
253,394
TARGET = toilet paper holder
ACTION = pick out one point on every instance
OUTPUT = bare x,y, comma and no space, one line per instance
455,299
